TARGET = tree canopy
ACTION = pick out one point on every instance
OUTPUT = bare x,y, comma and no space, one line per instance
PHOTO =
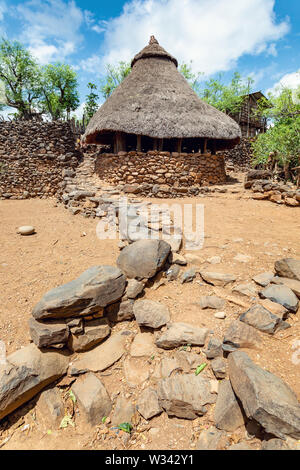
32,89
282,139
91,104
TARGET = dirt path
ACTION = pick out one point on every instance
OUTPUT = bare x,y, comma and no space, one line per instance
65,245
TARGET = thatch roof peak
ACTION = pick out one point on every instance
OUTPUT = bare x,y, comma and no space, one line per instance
153,49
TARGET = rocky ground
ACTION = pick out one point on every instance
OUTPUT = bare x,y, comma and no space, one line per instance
145,368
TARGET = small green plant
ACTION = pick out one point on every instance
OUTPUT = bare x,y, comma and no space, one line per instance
126,427
200,368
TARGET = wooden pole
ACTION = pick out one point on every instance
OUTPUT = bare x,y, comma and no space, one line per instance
205,146
160,144
154,143
179,144
120,142
138,143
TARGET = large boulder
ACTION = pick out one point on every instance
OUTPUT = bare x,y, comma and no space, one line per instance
26,373
185,396
288,267
96,288
143,258
180,334
265,397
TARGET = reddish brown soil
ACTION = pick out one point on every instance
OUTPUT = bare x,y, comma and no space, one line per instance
65,245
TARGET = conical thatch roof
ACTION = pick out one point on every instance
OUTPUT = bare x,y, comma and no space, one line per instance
155,100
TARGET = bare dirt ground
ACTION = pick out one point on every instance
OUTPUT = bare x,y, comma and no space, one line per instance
65,245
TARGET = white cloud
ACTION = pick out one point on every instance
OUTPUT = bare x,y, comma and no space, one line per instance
51,28
3,9
92,64
289,80
211,33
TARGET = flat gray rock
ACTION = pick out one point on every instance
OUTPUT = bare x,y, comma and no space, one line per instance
263,279
95,331
97,287
217,279
143,258
185,396
151,314
92,398
265,397
245,289
240,335
48,334
26,373
147,404
228,413
292,284
263,320
281,294
180,334
288,267
102,356
211,301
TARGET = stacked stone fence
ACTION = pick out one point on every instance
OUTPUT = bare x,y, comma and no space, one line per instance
240,157
34,158
158,172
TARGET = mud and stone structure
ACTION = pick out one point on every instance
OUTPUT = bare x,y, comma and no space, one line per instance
35,157
160,172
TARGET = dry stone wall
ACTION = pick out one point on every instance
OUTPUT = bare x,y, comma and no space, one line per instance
35,157
155,173
240,157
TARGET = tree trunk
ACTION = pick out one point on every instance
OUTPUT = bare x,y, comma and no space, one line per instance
286,168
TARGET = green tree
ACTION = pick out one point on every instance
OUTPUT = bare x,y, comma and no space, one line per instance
282,139
227,98
59,94
192,78
115,74
91,104
20,74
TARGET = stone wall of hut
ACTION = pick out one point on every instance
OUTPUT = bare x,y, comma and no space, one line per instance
157,173
35,157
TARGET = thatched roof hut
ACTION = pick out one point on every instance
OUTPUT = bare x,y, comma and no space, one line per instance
155,108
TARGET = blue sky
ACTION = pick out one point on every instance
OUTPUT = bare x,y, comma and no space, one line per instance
260,38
